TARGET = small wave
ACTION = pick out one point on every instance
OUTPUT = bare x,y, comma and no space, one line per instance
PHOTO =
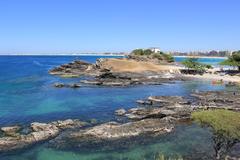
40,64
37,63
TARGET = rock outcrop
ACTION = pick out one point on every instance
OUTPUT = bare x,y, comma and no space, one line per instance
105,73
159,107
39,132
108,133
126,79
74,69
73,85
218,100
157,115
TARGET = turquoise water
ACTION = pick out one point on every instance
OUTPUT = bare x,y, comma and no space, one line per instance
27,95
211,61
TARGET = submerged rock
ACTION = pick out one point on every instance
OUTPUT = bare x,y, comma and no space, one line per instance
61,85
74,85
58,85
40,132
108,133
120,112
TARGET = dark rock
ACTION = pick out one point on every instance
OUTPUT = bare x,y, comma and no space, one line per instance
234,153
59,85
75,85
75,68
218,100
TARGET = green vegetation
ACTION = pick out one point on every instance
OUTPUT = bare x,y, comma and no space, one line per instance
150,54
226,127
192,63
224,122
233,60
168,57
142,52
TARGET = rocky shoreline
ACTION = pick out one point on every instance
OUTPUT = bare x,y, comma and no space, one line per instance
154,116
104,75
13,139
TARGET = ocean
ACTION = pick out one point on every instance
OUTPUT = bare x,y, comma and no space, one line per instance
27,95
206,60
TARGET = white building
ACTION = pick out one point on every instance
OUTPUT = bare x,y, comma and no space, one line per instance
155,50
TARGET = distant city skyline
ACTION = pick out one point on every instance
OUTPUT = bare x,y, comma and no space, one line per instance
98,26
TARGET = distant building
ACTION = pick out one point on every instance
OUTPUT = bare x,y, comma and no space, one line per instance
155,50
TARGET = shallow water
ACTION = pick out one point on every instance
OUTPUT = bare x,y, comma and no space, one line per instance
27,95
206,60
186,141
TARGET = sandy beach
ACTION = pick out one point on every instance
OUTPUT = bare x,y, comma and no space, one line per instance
214,77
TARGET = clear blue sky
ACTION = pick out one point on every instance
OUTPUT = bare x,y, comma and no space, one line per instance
66,26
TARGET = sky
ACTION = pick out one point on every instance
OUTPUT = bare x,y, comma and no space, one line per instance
84,26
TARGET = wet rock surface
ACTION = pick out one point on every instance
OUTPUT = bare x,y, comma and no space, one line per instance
75,68
39,132
61,85
120,112
218,100
161,106
158,115
111,132
11,130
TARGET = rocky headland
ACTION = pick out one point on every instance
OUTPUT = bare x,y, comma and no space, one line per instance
117,72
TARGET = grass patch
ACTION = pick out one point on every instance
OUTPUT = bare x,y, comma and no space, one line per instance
224,122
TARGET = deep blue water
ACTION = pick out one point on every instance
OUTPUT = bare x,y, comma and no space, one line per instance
27,94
